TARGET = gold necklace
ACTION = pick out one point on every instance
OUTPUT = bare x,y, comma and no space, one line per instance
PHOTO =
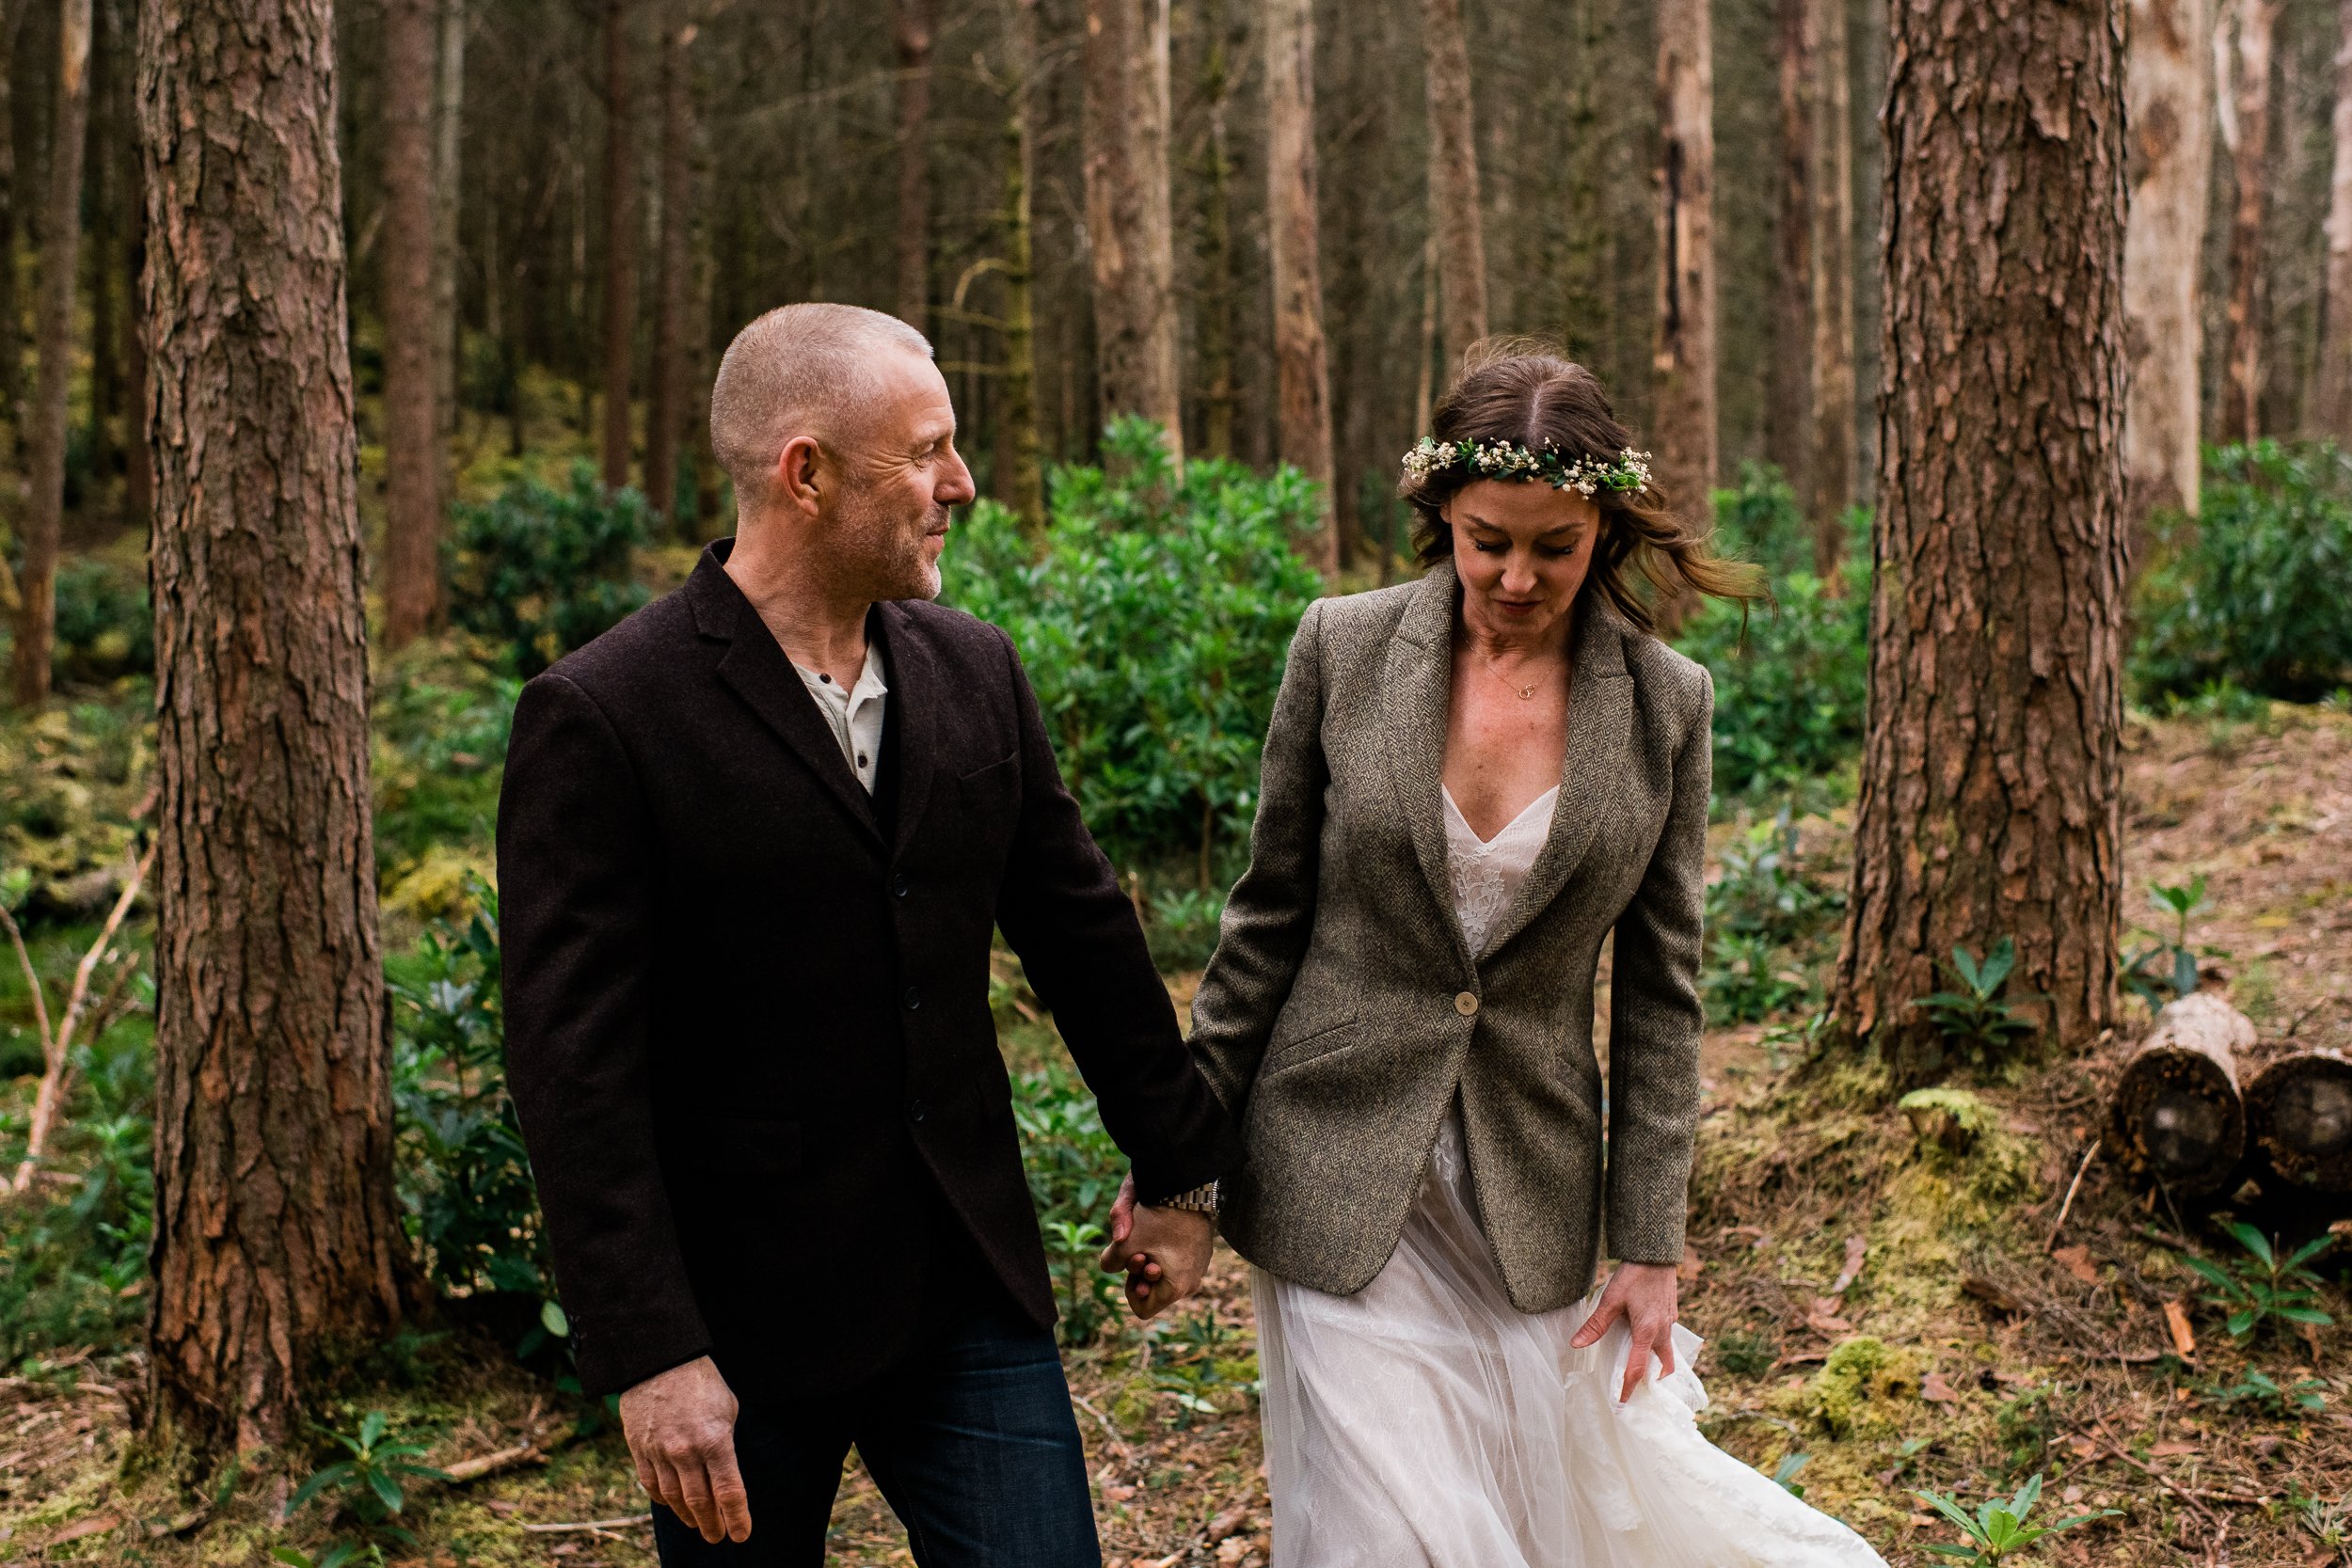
1524,693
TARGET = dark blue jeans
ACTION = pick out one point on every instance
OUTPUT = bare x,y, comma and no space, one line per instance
972,1443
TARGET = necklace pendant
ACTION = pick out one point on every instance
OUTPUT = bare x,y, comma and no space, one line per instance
1527,694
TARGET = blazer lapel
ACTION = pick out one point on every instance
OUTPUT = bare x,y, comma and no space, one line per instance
1418,683
1601,728
756,669
914,678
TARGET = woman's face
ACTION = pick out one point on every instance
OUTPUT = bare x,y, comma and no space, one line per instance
1522,551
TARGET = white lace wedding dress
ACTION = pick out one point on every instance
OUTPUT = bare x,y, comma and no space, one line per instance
1424,1421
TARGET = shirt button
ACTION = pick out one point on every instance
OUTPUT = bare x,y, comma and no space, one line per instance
913,998
898,885
861,759
1466,1004
916,1110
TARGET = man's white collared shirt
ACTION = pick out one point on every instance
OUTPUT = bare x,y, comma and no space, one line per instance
855,715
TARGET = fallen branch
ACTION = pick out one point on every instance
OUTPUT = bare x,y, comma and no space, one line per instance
2072,1187
56,1047
597,1526
1126,1452
491,1464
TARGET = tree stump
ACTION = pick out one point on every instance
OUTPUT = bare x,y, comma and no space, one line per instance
2176,1116
2299,1117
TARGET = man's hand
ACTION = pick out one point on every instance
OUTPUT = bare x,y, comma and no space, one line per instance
1644,1295
680,1426
1164,1251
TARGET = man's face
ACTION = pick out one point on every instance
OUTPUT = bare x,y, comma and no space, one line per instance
900,477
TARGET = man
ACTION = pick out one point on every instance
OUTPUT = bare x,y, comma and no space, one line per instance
752,845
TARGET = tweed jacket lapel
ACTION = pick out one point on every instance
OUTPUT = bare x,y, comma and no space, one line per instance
756,670
1417,686
1419,682
915,681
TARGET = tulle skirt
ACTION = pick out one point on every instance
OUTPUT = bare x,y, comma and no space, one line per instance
1425,1420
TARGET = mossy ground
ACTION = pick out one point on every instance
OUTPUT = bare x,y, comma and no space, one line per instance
1965,1353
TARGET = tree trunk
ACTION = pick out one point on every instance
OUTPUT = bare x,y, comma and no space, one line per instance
2247,131
913,38
1302,375
37,580
1787,423
1683,426
11,198
1023,485
620,244
1129,229
2176,1117
412,452
1453,182
2171,119
98,245
665,406
1992,769
1830,471
449,124
2333,410
1218,395
277,1235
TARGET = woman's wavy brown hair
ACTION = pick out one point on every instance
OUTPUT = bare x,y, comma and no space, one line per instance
1526,391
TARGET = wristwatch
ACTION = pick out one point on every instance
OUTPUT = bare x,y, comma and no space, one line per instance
1200,1200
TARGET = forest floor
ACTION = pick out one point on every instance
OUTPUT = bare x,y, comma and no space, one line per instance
1975,1341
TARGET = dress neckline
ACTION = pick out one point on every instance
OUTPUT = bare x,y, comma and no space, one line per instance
1541,801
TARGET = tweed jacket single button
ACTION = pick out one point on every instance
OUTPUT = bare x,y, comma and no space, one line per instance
1344,1012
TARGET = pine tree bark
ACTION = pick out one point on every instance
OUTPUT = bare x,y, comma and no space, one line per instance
12,196
1787,421
1683,436
449,124
1453,182
412,450
278,1236
2332,409
2170,119
665,404
620,246
1219,394
912,36
1301,368
1130,232
2248,132
1830,469
1992,769
37,579
1023,485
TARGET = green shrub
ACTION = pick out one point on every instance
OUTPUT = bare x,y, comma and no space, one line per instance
1153,618
1792,676
2252,591
1074,1171
1770,927
105,627
439,731
542,571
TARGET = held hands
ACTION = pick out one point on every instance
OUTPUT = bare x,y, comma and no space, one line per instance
1644,1295
680,1426
1164,1251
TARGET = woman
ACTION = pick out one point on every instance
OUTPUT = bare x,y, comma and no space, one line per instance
1470,782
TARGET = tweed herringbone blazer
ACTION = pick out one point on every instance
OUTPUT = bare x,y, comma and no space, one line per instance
1342,1011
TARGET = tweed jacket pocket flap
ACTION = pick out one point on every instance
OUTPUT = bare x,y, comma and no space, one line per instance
1322,1038
757,1145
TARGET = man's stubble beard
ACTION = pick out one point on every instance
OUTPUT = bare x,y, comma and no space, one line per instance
883,554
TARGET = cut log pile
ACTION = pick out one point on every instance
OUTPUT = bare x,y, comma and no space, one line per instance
2181,1119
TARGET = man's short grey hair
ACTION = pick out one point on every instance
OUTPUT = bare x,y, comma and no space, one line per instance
800,370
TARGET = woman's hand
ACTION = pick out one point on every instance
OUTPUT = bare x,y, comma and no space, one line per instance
1644,1295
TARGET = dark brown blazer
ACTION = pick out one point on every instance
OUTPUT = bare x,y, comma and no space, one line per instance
747,1020
1344,1012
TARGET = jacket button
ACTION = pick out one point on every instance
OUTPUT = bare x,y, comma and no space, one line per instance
913,998
916,1110
1466,1004
898,885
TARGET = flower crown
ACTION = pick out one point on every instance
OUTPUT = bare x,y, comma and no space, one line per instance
1508,460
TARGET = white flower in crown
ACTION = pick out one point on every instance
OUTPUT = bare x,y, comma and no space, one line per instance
1627,473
